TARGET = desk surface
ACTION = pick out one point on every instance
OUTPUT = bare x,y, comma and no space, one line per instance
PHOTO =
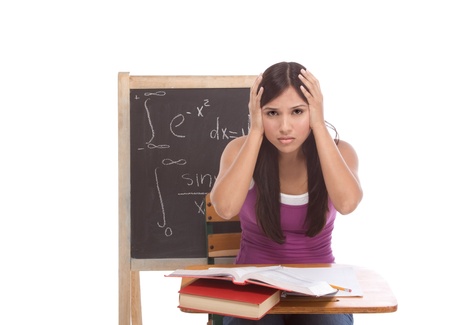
377,295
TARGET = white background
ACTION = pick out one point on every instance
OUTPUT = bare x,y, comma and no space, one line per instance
383,67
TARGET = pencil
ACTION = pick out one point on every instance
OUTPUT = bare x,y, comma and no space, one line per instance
340,288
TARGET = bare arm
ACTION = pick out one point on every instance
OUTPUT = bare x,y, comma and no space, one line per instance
339,163
236,171
238,162
340,171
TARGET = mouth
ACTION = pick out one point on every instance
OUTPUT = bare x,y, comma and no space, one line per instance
286,140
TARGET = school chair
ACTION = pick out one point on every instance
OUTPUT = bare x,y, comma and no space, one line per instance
223,242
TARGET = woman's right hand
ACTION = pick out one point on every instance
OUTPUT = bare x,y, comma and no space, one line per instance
254,107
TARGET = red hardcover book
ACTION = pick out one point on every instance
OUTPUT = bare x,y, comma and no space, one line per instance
226,298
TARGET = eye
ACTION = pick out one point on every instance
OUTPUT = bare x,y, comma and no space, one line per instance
297,111
271,113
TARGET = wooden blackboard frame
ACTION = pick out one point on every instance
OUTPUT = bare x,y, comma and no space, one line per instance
129,284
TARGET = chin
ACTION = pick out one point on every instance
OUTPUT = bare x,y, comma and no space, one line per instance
288,149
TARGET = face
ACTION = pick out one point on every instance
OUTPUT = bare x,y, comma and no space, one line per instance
286,121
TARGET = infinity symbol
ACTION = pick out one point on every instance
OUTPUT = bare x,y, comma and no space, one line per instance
168,161
157,146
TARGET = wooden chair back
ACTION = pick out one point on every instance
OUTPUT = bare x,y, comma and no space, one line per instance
223,236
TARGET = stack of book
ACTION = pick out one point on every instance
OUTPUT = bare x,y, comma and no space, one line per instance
226,298
250,291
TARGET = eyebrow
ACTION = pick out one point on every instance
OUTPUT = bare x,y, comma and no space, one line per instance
293,107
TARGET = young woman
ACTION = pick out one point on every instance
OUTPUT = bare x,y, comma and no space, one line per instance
287,179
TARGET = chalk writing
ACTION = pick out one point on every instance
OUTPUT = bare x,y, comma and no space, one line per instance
149,143
201,209
168,161
200,109
223,133
199,179
168,230
181,118
177,138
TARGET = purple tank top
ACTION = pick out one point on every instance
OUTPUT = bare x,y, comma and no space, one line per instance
257,248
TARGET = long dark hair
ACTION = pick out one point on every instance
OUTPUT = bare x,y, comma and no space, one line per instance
276,79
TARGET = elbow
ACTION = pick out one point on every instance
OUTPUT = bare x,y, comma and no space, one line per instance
224,213
346,209
349,204
223,209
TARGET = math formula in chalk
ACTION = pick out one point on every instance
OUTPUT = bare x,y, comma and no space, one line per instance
177,138
218,131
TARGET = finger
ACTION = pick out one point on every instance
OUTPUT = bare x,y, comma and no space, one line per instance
305,92
305,82
304,78
255,94
308,75
309,79
259,95
256,84
257,91
310,89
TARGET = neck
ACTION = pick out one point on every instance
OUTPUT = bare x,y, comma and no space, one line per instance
290,159
293,174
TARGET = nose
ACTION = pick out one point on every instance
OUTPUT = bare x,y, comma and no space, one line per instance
285,124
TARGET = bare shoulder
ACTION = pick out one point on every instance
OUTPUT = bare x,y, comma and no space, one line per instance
230,153
344,146
236,143
233,147
348,152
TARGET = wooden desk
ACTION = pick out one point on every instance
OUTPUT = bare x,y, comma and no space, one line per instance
377,296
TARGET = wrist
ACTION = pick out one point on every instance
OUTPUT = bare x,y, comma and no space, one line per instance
319,127
256,131
255,134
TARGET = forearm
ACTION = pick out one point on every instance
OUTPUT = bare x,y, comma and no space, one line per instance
236,172
340,174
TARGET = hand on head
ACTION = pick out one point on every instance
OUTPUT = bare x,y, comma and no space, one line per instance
314,96
254,106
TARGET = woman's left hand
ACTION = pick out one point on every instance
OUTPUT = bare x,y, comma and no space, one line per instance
314,96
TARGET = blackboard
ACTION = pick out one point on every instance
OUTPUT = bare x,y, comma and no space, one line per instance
176,140
171,133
